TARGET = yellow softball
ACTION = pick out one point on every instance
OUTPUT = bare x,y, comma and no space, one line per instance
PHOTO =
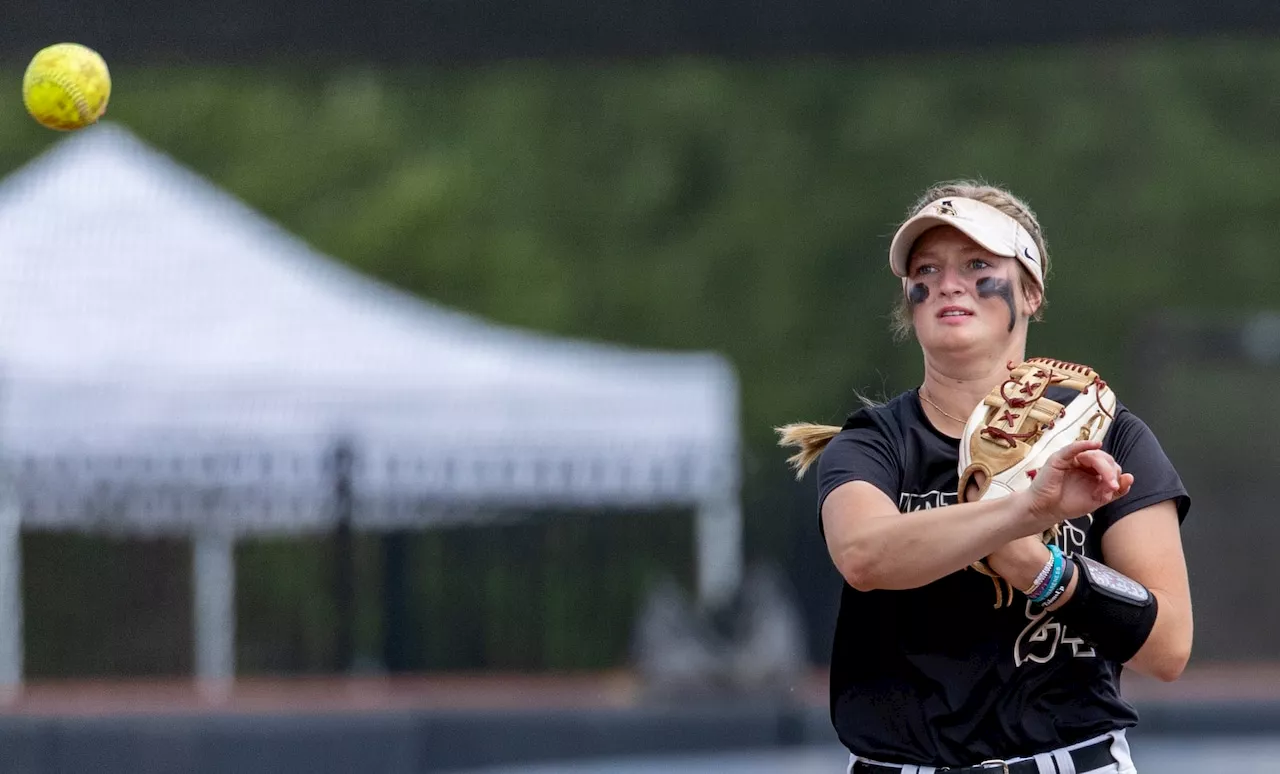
66,86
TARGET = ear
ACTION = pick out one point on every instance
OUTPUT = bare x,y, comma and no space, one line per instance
1033,296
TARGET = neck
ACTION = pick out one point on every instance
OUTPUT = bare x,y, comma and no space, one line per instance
958,385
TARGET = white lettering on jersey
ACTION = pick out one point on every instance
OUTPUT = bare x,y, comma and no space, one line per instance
1039,640
918,502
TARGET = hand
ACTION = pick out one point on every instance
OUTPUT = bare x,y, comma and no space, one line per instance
1078,479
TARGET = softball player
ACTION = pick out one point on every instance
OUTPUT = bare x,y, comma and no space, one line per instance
926,675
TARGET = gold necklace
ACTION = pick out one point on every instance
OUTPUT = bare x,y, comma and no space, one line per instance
920,392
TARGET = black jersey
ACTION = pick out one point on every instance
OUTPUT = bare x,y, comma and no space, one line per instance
935,675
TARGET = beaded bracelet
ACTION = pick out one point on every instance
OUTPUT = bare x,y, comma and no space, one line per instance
1068,568
1055,577
1041,578
1044,578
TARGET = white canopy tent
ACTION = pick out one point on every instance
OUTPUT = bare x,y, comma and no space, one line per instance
171,362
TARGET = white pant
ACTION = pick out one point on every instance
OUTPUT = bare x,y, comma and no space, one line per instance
1046,761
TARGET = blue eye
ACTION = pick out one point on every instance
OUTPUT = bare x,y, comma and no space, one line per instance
979,264
925,269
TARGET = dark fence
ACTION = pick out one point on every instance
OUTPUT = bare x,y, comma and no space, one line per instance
545,591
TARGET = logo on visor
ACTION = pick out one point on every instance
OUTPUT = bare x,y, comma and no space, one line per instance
1027,252
945,208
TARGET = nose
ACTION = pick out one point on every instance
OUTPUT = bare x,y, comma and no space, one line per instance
949,282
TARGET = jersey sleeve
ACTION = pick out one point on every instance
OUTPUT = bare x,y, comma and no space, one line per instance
1138,451
863,451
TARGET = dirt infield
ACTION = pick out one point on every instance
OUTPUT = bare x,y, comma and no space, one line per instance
324,694
497,692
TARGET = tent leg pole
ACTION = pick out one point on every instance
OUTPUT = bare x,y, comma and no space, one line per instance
718,543
213,567
11,646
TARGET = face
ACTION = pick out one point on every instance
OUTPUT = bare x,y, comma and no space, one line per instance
961,295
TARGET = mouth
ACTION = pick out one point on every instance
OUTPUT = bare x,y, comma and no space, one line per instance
954,311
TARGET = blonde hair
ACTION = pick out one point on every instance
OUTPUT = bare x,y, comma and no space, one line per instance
812,438
994,196
809,438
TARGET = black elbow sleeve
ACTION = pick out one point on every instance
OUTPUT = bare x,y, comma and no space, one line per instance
1114,612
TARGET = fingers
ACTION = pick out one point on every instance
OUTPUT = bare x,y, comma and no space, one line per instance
1111,481
1104,492
1082,468
1067,454
1099,462
1111,484
1126,481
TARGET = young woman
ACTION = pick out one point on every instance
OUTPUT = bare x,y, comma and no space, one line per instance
925,673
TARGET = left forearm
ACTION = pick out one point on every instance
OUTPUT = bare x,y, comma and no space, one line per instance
1162,646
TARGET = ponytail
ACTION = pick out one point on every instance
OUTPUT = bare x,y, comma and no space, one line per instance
809,438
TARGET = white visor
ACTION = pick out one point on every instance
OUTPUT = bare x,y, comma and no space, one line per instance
990,228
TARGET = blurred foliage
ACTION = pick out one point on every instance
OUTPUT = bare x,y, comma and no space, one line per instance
746,207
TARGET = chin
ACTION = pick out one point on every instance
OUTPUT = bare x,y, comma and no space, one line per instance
945,335
955,340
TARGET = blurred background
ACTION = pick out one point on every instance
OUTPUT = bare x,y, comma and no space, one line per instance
390,387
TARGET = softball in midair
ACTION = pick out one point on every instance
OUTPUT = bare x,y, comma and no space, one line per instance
66,86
